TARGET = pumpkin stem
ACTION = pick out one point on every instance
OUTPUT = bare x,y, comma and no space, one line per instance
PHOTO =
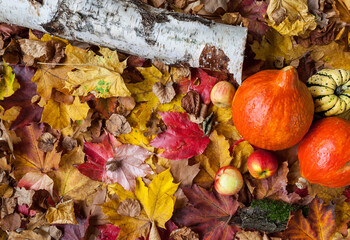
288,77
302,183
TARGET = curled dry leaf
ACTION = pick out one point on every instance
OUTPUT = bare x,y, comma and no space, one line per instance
125,105
249,235
10,222
69,143
46,142
117,124
211,6
129,207
165,93
63,213
184,233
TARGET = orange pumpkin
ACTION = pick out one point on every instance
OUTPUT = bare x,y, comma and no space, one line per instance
324,153
272,109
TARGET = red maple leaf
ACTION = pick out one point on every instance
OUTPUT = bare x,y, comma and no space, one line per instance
183,139
112,162
208,214
108,231
200,82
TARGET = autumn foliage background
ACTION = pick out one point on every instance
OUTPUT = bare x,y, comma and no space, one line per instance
96,144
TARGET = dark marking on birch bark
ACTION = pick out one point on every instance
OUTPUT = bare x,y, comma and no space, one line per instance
55,26
213,58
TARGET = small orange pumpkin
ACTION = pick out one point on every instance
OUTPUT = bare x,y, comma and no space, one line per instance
324,153
272,109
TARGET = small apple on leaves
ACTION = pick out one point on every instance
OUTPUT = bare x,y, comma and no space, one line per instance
228,180
262,164
222,94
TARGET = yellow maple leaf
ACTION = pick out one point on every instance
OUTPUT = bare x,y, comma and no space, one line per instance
157,205
212,159
342,212
46,37
68,181
48,78
63,213
290,17
58,115
228,130
223,115
100,75
240,153
325,193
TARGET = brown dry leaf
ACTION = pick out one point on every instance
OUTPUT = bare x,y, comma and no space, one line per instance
5,191
8,206
24,196
129,207
37,221
10,222
125,105
273,187
183,172
184,233
63,213
165,93
249,235
92,208
27,234
117,124
191,102
212,6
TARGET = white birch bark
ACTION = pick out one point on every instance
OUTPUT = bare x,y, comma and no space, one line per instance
135,28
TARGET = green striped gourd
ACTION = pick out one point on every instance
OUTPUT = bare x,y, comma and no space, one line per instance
330,89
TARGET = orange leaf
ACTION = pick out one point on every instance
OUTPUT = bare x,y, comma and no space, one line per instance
28,156
319,225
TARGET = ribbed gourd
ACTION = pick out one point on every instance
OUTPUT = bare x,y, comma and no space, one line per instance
330,89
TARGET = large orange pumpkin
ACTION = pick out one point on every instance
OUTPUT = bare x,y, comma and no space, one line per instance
272,109
324,153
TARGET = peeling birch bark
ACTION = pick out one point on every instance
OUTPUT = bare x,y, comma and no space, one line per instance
135,28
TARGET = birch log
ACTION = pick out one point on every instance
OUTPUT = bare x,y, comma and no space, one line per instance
135,28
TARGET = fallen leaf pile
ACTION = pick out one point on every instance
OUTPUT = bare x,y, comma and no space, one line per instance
96,144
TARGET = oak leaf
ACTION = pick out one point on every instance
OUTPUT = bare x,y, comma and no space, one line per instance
63,213
208,214
319,225
157,203
100,74
112,162
28,156
182,139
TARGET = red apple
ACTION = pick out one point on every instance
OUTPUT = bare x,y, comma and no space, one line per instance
222,94
228,180
262,164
